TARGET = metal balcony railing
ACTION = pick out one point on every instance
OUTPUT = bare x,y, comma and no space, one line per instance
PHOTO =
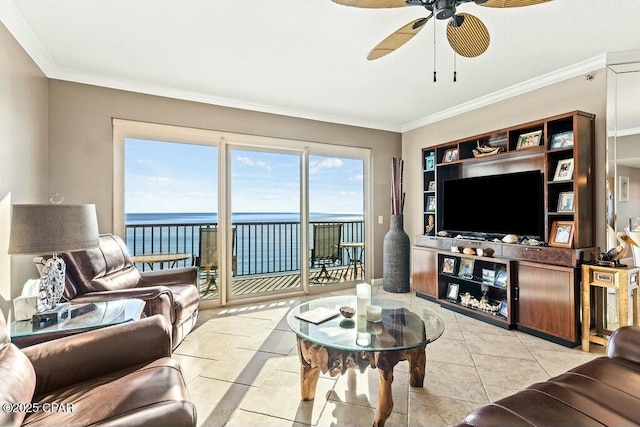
259,247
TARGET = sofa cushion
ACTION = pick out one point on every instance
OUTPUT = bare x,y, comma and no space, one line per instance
152,394
17,382
185,300
106,268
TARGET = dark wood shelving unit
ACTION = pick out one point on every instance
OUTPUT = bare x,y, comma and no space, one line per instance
543,280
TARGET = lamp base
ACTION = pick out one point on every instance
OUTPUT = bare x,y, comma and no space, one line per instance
59,314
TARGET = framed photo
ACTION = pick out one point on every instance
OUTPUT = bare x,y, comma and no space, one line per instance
430,162
431,186
562,140
501,278
451,155
623,188
504,309
562,234
565,202
431,203
466,268
488,276
449,266
452,291
564,170
529,140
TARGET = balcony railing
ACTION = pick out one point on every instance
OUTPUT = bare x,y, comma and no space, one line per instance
259,247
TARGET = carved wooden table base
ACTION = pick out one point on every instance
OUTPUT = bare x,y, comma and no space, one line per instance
315,358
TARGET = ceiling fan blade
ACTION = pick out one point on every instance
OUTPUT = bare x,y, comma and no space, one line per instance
372,4
470,38
511,3
398,38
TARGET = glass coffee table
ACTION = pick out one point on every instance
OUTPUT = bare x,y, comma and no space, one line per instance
338,344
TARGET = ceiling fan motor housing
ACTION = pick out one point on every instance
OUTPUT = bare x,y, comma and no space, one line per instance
445,9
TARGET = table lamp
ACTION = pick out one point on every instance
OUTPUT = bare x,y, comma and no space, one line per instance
49,229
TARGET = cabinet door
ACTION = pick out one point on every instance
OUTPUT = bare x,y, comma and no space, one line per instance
546,299
425,271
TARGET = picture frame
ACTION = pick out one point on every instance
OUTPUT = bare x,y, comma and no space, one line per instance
562,140
504,309
430,162
623,188
488,276
564,170
431,186
452,291
529,140
565,201
562,234
450,155
449,266
501,278
431,203
466,268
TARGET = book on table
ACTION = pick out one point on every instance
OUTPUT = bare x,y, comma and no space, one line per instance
318,314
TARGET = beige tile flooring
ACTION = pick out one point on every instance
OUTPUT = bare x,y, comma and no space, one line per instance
242,369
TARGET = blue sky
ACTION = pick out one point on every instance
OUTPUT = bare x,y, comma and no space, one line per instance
175,177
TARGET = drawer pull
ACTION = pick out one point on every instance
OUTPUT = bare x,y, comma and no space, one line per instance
533,249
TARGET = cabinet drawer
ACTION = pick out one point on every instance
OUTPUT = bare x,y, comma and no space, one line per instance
547,255
433,242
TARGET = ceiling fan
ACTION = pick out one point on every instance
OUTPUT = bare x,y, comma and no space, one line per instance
466,34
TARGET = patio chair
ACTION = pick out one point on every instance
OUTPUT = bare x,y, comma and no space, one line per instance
207,258
326,249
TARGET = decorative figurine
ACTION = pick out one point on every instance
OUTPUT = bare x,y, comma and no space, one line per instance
613,256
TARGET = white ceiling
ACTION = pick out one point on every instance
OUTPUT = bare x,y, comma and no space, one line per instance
307,58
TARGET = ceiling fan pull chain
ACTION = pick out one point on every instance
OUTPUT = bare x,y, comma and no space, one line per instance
434,50
455,72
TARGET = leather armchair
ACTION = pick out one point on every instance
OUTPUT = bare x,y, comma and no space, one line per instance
604,391
107,272
119,375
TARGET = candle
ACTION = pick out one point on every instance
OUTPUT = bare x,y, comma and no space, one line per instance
363,339
363,295
374,313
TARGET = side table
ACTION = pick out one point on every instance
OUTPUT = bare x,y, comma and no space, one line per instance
84,317
623,280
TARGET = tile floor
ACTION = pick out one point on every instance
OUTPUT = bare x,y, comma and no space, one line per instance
242,369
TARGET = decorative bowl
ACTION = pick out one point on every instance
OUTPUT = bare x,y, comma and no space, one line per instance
347,311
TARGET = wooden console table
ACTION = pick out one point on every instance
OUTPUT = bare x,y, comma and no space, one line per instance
623,280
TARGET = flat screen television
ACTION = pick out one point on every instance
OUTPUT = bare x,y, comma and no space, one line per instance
511,203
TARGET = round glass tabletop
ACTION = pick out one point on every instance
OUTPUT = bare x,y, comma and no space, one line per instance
399,329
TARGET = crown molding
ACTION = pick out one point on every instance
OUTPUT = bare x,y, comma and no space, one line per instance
556,76
19,29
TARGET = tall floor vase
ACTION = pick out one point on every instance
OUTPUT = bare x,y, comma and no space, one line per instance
395,267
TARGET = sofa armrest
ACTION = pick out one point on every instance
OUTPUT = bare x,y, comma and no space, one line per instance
73,359
625,343
171,276
158,299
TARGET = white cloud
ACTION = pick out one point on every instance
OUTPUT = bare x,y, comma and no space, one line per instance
328,163
153,180
144,161
358,177
247,161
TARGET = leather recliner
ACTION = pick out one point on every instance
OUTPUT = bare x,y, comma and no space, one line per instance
604,391
118,375
107,273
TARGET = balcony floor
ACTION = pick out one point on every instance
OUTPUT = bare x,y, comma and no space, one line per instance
255,284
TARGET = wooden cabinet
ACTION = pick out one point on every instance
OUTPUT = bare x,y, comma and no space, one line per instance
544,281
547,297
424,272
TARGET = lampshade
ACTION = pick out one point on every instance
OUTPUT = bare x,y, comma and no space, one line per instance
46,229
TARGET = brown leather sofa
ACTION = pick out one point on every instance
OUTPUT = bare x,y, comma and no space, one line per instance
604,391
107,272
119,375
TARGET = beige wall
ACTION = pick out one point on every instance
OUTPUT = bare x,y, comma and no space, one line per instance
573,94
81,152
23,153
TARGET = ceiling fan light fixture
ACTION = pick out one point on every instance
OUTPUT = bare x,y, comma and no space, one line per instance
456,21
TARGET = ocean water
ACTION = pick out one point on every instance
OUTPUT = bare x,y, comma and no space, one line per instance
264,242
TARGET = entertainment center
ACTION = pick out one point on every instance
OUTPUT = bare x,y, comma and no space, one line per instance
508,219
